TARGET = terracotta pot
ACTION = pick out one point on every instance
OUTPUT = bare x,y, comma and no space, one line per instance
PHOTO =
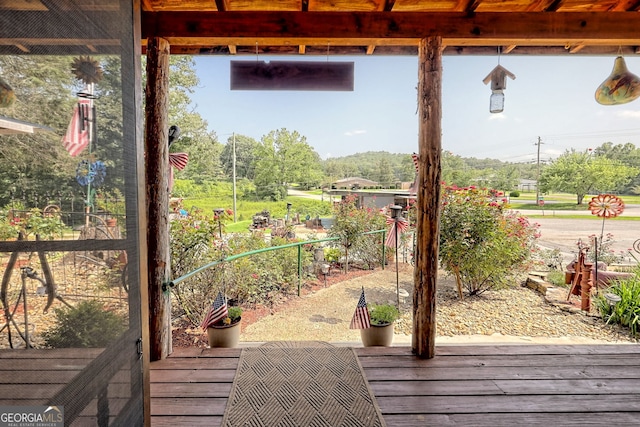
225,335
112,222
377,335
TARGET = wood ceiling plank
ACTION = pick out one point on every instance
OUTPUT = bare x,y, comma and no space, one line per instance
422,6
180,5
346,5
586,5
22,5
264,5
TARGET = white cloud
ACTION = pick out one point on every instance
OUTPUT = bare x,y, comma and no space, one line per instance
629,114
355,132
497,116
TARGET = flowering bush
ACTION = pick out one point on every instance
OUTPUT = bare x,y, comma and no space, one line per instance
350,221
34,222
604,253
257,279
481,243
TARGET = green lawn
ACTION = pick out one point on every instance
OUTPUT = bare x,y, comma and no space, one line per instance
247,209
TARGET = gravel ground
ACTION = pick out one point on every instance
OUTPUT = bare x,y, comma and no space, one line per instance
515,314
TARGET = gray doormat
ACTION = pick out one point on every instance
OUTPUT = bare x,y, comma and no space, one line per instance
298,385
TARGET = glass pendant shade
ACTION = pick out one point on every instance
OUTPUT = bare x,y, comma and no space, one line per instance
620,87
496,102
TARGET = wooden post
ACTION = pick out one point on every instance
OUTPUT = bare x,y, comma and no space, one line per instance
428,196
157,184
585,287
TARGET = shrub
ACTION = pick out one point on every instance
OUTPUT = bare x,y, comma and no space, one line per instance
626,311
604,251
383,314
350,222
514,193
481,244
87,324
235,313
257,279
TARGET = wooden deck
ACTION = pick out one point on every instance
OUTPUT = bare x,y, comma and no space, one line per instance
502,385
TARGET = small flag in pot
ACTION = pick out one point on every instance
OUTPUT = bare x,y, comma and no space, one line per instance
217,312
360,319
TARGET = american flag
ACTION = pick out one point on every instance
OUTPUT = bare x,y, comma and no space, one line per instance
178,161
78,132
360,319
218,311
402,225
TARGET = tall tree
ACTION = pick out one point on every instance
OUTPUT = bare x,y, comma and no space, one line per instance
384,173
283,158
245,157
581,173
36,167
627,154
454,170
195,139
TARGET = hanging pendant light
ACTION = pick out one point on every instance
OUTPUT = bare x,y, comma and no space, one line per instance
498,78
620,87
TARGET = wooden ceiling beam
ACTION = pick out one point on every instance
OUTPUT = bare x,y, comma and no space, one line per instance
324,27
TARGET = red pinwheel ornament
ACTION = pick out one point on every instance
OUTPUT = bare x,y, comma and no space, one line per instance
606,206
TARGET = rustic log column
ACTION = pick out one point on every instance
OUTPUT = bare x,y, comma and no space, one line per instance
157,183
428,194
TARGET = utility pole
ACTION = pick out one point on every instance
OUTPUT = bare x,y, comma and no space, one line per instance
233,163
539,143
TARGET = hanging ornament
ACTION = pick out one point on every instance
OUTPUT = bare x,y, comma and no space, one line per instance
498,78
86,69
620,87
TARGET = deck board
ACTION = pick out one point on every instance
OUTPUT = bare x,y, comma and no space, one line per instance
470,385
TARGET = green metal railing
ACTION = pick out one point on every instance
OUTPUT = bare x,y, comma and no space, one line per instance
174,282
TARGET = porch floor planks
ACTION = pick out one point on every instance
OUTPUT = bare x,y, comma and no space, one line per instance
465,385
192,386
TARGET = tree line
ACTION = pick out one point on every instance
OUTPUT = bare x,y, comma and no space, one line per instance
266,167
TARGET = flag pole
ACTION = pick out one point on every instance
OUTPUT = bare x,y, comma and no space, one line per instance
88,93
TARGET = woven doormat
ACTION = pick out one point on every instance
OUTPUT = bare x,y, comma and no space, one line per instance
298,385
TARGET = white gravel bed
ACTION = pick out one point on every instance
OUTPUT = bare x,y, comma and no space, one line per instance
517,312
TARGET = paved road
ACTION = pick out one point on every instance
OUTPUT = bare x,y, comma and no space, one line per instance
563,233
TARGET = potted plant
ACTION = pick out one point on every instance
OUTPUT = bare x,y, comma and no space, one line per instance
380,333
226,332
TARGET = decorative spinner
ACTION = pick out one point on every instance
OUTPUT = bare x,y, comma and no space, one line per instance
86,69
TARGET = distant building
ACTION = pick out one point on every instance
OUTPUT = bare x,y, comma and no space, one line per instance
354,183
527,185
377,199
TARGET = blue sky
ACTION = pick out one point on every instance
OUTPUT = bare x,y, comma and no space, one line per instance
551,97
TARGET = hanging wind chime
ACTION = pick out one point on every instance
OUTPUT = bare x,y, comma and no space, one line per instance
82,130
